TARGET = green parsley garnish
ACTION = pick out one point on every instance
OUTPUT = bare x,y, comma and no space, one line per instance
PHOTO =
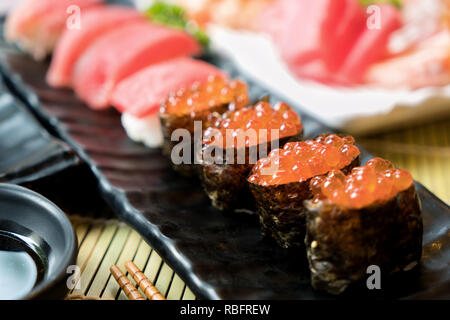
396,3
175,16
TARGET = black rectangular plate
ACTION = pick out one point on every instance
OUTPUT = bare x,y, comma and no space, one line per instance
27,152
219,255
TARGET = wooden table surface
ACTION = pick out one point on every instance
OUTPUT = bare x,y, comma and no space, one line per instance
423,150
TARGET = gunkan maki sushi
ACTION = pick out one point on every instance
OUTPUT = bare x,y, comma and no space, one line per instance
280,194
233,144
198,103
370,217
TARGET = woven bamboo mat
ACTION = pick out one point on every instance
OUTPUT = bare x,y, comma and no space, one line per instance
103,243
423,150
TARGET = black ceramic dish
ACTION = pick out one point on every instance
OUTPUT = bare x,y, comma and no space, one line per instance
31,223
220,256
31,157
27,152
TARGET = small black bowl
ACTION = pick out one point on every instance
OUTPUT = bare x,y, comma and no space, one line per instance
31,223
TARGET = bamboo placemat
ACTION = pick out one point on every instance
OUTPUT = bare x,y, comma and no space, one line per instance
103,243
423,150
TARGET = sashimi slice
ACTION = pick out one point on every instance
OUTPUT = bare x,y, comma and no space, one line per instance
122,52
142,93
421,19
426,65
37,24
270,20
300,28
317,70
236,14
371,45
72,43
339,38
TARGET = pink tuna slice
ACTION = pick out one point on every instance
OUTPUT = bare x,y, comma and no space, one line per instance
301,27
72,43
121,53
371,45
339,38
316,70
142,93
37,24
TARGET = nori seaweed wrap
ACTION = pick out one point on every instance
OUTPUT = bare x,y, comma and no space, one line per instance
234,153
198,103
371,217
279,196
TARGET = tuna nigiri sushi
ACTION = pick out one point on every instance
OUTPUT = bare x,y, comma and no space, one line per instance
140,95
72,43
122,52
37,25
146,130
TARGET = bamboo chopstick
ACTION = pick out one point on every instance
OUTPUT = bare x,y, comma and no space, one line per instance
128,288
143,282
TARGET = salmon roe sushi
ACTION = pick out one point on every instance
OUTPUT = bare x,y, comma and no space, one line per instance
233,144
377,181
268,123
216,91
280,183
198,103
372,216
299,161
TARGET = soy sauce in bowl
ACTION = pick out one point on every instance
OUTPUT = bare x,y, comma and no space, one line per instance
37,246
21,267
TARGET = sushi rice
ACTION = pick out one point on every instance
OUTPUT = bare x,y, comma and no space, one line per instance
146,130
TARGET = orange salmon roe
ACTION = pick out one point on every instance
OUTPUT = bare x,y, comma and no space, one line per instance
216,91
377,181
237,124
299,161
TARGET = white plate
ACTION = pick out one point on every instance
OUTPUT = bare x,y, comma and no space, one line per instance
356,110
